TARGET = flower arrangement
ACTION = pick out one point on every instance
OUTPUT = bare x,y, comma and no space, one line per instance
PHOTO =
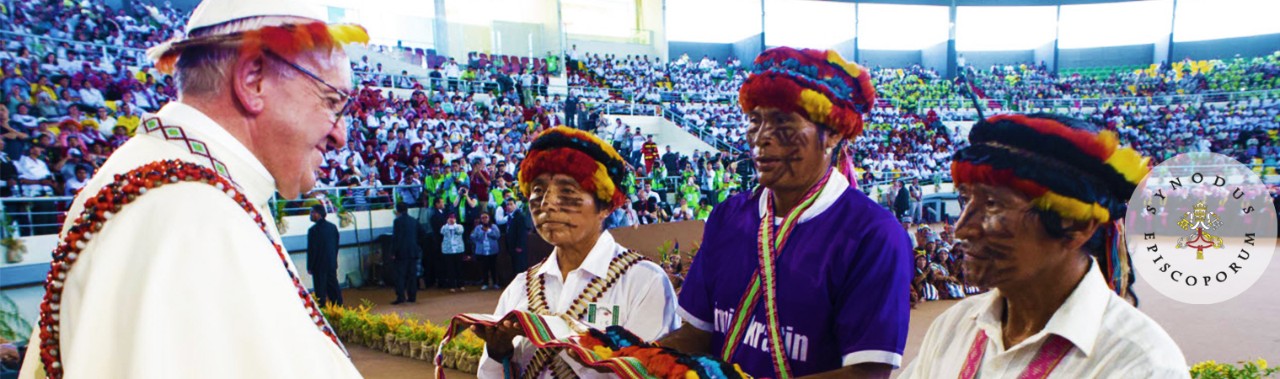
404,336
1256,369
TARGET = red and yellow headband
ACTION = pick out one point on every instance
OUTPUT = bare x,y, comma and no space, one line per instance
819,85
1075,172
594,164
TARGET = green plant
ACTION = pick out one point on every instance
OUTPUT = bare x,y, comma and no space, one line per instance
12,326
345,218
278,214
664,250
359,325
15,248
1256,369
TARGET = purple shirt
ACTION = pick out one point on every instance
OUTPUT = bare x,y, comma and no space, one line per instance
843,285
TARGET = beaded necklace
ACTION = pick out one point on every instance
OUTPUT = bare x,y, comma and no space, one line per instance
592,293
99,209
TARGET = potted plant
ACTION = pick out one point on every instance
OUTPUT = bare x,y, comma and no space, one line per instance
345,218
281,225
15,247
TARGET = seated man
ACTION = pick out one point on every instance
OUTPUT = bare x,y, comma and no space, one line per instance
33,173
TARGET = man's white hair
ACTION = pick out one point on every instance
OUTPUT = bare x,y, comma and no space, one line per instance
202,71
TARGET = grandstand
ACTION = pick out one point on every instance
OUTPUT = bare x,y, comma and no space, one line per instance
76,84
90,70
421,105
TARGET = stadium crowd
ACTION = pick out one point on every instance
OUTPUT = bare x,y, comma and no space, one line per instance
68,105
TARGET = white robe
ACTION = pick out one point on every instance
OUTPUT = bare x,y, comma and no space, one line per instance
182,283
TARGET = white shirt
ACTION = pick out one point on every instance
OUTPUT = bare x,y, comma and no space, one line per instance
644,295
74,185
92,96
106,126
182,283
1112,339
32,169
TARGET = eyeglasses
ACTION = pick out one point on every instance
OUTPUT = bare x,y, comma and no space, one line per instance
344,97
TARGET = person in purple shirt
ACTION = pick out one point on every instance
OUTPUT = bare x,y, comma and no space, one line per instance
833,299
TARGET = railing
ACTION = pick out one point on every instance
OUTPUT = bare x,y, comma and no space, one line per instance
110,52
655,96
30,216
925,104
890,177
383,79
703,133
356,198
1200,98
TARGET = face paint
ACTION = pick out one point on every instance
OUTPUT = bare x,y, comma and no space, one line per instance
1006,241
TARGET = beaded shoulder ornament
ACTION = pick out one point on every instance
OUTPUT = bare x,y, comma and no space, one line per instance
543,358
99,209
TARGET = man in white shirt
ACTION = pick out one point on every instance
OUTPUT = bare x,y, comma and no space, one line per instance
106,123
33,173
1052,311
619,131
568,212
479,154
182,278
75,183
92,97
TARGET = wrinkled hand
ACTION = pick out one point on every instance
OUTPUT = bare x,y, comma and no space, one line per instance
498,339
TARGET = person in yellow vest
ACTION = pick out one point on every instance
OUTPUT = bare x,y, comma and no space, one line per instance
128,119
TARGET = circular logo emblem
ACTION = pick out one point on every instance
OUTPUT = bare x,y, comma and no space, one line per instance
1201,228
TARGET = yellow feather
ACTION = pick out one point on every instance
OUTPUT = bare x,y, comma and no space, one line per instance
1109,140
349,33
604,185
1129,163
816,105
1071,208
852,68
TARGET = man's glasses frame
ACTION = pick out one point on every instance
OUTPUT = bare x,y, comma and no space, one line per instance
343,95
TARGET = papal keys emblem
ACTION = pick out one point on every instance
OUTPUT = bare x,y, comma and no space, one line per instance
1200,221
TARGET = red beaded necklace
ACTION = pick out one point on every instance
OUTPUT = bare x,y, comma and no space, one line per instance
109,200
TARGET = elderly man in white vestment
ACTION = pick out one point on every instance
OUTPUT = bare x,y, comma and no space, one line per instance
180,277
